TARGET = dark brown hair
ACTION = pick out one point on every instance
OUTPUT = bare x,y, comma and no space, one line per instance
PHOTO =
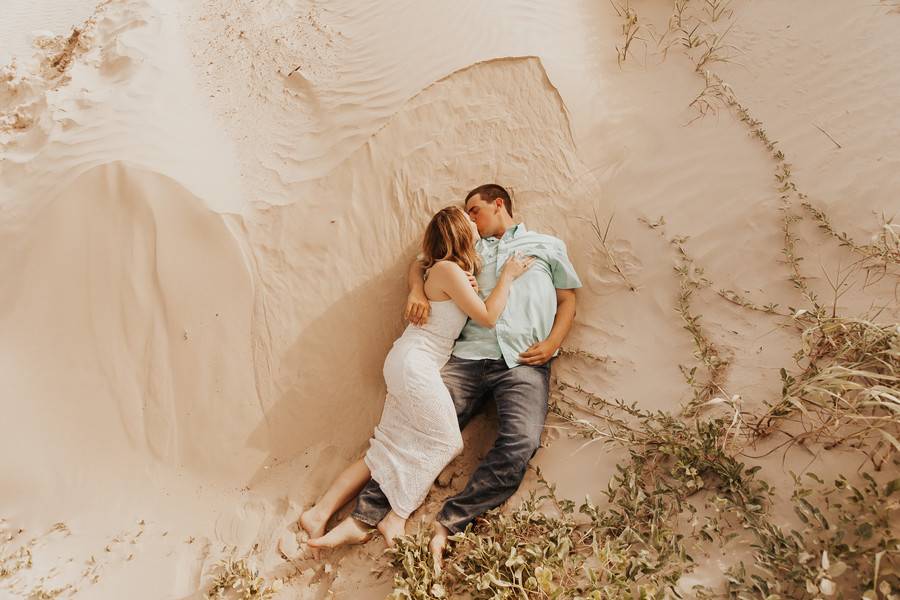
449,236
491,191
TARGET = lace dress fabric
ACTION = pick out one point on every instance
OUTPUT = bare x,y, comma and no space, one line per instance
418,434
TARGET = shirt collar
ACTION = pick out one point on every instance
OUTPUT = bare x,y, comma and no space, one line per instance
512,233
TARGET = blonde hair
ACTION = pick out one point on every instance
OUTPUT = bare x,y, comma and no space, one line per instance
449,236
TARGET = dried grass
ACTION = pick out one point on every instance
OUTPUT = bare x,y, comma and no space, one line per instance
630,28
848,391
691,279
602,234
237,578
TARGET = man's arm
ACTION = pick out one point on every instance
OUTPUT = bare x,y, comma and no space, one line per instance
417,306
543,351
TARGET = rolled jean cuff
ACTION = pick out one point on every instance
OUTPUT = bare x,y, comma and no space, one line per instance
452,527
365,519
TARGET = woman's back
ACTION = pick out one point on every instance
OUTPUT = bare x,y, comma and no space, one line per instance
433,341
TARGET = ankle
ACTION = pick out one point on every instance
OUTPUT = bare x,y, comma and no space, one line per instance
395,519
317,513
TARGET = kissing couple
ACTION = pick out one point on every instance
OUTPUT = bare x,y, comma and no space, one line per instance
467,341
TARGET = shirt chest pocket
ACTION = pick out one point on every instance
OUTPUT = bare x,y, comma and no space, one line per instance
542,252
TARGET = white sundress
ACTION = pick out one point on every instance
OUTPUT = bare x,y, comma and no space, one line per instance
418,434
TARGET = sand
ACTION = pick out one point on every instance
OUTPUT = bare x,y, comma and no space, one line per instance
207,210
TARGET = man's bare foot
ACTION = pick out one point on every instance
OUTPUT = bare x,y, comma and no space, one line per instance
348,531
313,522
392,526
437,545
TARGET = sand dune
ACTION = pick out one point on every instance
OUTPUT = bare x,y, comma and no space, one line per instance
207,211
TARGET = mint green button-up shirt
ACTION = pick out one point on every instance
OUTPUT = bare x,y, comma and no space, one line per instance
531,308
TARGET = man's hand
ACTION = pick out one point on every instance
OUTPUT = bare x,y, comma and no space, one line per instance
538,354
472,281
417,308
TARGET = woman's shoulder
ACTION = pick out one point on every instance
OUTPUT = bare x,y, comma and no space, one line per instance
445,266
445,270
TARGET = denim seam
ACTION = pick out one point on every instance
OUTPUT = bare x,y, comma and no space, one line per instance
362,519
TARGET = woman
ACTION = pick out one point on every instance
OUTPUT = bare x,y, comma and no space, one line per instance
418,434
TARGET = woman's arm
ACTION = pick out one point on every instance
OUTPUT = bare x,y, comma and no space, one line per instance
455,283
417,305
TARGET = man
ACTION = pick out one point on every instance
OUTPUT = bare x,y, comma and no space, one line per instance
509,362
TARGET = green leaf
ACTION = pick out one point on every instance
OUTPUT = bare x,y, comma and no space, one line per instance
865,530
892,486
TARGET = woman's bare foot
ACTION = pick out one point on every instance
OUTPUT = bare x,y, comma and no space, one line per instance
348,531
437,545
392,526
313,521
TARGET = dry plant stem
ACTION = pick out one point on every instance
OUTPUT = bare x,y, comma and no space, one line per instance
729,295
828,135
715,93
602,234
714,52
630,28
740,300
881,255
886,252
569,352
786,187
690,280
709,98
592,405
716,9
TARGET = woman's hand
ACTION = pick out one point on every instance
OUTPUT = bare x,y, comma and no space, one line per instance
516,265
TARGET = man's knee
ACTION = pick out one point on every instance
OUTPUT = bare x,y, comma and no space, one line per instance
522,405
525,445
516,450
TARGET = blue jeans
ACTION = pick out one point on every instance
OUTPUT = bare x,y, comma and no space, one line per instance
521,395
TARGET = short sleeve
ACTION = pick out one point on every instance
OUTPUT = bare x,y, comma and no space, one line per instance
564,275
